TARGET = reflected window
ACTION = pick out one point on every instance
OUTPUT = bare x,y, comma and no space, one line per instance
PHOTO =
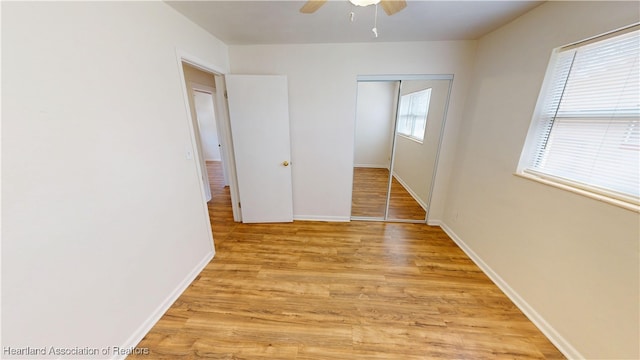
412,114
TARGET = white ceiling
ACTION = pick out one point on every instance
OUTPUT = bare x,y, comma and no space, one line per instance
242,22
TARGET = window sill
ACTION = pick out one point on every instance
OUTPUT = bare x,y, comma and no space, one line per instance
411,138
606,199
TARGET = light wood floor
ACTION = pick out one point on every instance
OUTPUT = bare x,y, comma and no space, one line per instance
369,197
359,290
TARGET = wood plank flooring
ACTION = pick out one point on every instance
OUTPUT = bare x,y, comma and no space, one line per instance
402,206
370,187
359,290
220,214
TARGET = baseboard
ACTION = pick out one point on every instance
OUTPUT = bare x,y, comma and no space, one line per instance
435,222
371,166
322,218
558,340
146,326
410,191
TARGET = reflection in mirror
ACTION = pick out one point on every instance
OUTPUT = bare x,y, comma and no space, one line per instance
375,121
398,130
420,119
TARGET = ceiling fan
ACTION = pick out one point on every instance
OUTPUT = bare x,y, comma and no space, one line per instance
389,6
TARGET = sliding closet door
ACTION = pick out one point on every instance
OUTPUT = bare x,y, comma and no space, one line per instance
421,116
375,121
399,125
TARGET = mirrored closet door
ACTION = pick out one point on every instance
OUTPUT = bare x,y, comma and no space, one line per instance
399,123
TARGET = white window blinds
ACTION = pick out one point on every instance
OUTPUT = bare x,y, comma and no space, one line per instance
412,114
588,129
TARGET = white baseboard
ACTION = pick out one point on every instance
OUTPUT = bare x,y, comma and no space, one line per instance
435,222
322,218
410,191
372,166
558,340
146,326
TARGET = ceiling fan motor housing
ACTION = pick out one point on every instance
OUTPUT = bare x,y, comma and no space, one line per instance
364,2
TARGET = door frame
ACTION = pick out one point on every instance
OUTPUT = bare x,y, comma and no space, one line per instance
224,135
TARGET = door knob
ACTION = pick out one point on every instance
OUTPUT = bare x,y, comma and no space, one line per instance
285,163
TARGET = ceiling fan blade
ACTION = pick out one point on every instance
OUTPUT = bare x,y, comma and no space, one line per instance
393,6
311,6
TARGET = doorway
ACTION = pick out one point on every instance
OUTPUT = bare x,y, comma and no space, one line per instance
208,126
200,90
204,90
219,199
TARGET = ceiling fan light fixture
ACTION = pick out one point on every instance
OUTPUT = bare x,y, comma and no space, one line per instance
364,2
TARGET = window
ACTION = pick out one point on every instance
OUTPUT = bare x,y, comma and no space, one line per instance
586,130
412,114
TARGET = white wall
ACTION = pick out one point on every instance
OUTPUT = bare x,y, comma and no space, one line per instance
322,104
375,118
414,162
103,215
572,259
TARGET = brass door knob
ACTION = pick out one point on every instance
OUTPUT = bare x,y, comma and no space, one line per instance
285,163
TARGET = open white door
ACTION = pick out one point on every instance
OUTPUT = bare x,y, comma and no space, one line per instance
259,116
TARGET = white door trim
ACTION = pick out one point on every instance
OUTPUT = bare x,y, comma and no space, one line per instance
201,87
